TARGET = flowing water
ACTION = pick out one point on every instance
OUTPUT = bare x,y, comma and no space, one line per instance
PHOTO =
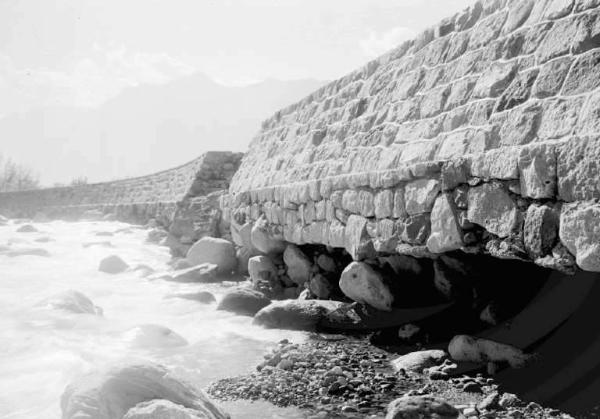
42,349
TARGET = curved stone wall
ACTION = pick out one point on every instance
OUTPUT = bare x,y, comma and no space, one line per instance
481,134
151,196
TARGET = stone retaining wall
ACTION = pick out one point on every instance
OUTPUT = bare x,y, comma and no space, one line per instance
154,196
481,134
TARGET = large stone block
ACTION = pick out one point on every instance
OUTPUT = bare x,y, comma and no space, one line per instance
446,235
491,207
357,241
363,284
496,164
580,233
540,230
590,116
559,117
552,76
578,170
519,125
584,75
384,203
537,170
494,81
419,195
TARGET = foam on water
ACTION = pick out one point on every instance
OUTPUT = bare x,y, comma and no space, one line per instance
42,349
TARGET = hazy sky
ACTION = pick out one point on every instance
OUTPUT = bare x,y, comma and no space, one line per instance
83,51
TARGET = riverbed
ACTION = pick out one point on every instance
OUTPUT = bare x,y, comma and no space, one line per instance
43,348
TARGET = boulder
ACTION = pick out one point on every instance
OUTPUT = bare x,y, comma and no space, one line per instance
466,348
261,268
205,272
320,286
213,250
142,270
153,336
418,361
327,263
156,235
299,267
413,407
181,263
162,409
363,284
112,264
203,297
72,301
295,314
243,301
27,228
580,233
265,238
111,394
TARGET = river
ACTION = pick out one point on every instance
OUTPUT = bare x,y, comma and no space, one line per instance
42,349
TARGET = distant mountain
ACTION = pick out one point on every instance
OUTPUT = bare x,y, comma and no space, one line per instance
144,129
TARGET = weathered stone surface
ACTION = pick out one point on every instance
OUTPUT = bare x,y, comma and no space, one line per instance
552,76
496,164
590,116
415,229
540,230
578,170
491,207
494,81
518,91
518,15
558,8
320,286
580,233
420,195
384,203
157,409
559,117
261,268
584,75
265,238
357,241
537,171
519,125
213,250
363,284
298,265
446,235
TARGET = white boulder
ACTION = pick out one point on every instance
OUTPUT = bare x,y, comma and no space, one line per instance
111,394
153,336
72,301
466,348
162,409
265,238
363,284
261,268
213,250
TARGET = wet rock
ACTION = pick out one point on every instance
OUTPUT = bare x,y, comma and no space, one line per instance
243,301
265,238
205,272
418,361
299,266
25,251
162,409
363,284
27,228
465,348
111,394
410,407
181,263
294,314
143,270
156,235
112,264
153,336
320,286
219,252
72,301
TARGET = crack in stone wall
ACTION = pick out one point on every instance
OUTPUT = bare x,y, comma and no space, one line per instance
481,134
